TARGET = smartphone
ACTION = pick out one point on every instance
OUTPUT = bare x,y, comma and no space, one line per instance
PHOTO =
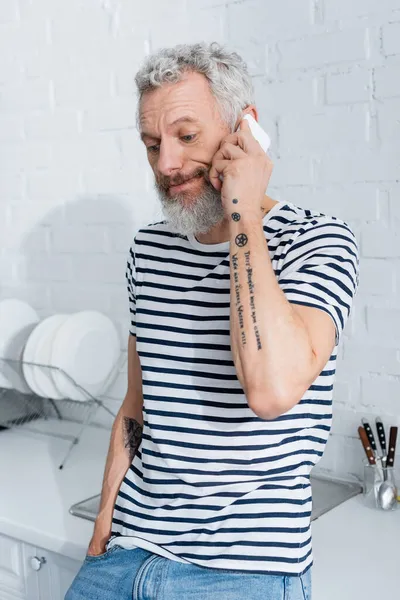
258,132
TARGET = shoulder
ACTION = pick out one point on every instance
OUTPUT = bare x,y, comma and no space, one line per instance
309,226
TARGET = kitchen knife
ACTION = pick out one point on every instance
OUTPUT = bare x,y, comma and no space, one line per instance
370,436
392,446
365,442
381,435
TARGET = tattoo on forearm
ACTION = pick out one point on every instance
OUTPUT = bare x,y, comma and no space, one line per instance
241,240
252,303
132,435
239,306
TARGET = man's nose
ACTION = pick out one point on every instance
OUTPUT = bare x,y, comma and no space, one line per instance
170,158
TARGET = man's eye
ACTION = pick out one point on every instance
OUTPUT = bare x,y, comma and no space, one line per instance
154,148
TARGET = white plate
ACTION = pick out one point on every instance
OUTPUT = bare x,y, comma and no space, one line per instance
17,320
86,347
38,350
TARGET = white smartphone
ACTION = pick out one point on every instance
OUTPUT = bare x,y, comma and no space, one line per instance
258,132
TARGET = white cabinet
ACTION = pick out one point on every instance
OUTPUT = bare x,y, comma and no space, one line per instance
31,573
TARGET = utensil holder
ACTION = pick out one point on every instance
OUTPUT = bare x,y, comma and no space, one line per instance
374,476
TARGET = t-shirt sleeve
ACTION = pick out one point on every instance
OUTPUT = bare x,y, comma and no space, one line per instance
130,275
321,269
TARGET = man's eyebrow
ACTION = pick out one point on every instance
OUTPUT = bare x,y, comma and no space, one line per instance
180,120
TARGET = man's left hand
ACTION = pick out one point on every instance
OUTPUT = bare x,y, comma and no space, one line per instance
246,169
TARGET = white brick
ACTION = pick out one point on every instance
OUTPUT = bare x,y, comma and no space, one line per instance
338,126
256,19
346,88
387,81
99,269
74,296
376,277
129,14
357,164
109,116
344,202
11,129
86,151
319,50
372,358
349,455
291,170
389,121
383,322
381,395
341,201
342,9
28,95
77,239
24,156
101,208
28,35
395,203
8,12
120,237
279,97
48,269
81,88
109,181
56,183
11,187
62,123
379,241
391,38
10,69
185,28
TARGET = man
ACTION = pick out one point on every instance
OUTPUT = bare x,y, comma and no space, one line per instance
237,305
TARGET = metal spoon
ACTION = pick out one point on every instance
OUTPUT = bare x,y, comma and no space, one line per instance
387,495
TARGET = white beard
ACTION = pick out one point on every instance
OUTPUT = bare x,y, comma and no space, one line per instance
191,214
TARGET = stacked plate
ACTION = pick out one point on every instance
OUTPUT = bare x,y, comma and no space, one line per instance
82,347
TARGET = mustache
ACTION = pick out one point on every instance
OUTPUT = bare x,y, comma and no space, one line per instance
166,182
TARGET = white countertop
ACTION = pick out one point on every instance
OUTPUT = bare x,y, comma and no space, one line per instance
354,547
36,495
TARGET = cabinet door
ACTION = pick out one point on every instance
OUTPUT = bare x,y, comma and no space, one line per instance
55,575
13,584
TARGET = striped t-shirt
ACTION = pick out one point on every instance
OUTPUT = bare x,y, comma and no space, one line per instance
212,483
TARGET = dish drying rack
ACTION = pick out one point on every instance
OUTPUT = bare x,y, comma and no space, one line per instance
25,408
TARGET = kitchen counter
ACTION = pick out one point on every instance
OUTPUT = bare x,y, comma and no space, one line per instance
354,547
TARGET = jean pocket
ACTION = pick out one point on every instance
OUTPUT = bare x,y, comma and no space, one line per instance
90,558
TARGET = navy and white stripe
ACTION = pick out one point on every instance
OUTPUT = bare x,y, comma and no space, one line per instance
212,483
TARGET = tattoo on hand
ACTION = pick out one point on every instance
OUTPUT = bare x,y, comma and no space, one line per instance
133,435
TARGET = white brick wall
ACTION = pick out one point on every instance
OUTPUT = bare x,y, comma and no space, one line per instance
75,185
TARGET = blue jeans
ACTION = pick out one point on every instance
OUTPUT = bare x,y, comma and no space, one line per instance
137,574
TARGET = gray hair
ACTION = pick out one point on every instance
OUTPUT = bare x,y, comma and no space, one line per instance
226,72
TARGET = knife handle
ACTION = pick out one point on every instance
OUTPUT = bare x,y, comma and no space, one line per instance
365,442
381,434
392,447
370,434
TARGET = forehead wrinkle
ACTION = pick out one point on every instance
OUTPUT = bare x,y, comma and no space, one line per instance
185,118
